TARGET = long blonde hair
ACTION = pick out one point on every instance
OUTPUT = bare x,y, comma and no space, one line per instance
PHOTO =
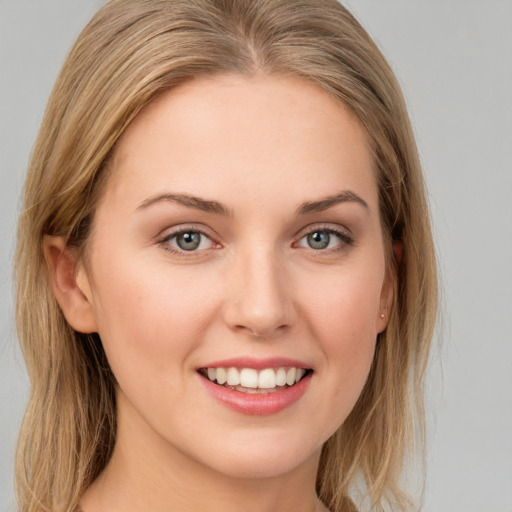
129,52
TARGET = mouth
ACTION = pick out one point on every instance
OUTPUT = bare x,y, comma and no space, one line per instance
253,381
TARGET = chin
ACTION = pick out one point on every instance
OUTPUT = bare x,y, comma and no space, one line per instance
264,459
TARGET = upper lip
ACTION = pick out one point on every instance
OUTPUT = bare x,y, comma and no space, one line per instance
257,364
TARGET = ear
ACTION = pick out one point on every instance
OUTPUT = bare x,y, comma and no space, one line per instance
70,284
398,251
386,297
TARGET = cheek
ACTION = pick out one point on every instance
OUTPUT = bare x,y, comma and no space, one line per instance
344,305
342,315
149,319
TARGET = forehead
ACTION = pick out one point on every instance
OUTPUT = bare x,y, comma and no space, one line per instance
239,136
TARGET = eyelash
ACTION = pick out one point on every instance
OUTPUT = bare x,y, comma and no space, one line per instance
344,237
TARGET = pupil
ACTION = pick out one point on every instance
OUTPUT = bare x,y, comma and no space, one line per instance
188,241
318,240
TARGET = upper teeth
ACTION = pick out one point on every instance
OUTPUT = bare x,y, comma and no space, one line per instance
268,378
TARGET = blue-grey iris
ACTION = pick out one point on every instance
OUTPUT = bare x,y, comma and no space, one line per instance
319,240
188,241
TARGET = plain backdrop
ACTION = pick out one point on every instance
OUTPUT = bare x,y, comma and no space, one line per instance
454,61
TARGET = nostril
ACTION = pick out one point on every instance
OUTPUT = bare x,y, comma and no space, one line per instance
261,332
258,300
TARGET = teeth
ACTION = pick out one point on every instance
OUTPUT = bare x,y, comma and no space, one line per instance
233,377
249,378
290,376
281,377
299,374
221,376
269,378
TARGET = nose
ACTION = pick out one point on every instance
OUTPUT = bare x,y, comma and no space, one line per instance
258,296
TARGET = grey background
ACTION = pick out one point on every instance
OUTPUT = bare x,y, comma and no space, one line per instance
454,60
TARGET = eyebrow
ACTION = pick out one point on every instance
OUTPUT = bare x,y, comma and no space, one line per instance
347,196
211,206
197,203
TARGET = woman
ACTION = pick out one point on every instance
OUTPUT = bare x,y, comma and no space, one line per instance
226,278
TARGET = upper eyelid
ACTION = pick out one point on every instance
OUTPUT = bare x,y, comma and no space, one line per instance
173,231
170,232
334,228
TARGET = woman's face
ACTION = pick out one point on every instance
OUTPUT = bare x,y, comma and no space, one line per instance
238,237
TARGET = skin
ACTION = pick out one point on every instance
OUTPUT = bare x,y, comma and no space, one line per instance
262,147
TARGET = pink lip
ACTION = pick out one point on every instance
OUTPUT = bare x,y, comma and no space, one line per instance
256,404
257,364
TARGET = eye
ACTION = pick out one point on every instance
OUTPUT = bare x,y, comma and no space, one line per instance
189,240
321,239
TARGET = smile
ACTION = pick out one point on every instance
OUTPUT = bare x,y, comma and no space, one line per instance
250,380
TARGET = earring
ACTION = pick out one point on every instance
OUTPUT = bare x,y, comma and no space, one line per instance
382,314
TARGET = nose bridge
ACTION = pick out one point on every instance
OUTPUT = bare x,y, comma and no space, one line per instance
258,299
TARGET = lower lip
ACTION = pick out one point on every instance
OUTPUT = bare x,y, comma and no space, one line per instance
257,404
